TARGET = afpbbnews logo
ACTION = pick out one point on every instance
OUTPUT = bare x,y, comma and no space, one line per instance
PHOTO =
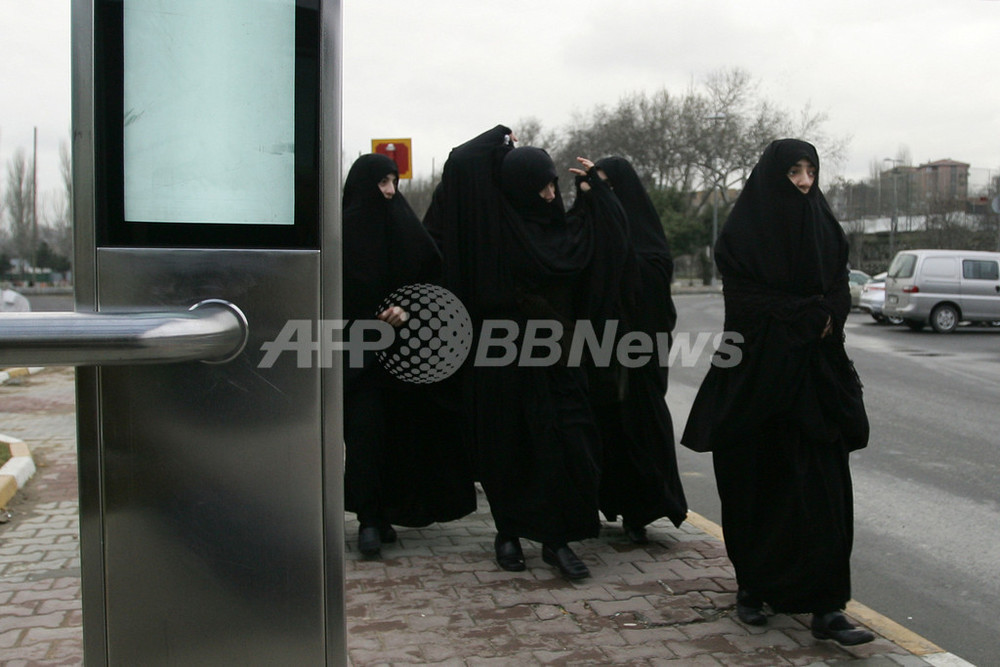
437,338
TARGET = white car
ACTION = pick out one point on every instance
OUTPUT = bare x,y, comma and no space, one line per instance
873,298
857,280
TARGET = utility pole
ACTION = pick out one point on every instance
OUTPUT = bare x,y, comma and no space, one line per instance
34,205
715,195
895,209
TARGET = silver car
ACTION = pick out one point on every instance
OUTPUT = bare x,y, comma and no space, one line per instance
943,288
873,299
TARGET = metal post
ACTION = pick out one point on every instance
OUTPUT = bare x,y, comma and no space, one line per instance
715,234
895,216
717,116
895,208
34,206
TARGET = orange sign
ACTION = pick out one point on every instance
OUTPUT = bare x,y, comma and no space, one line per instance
399,151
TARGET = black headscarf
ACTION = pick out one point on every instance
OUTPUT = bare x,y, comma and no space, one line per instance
500,238
776,236
385,245
523,173
645,230
655,309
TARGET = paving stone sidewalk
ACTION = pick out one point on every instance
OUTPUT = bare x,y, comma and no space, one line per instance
436,597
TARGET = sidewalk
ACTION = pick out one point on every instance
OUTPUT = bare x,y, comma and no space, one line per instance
437,597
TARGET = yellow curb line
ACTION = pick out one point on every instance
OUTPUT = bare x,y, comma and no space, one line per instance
705,525
888,628
17,470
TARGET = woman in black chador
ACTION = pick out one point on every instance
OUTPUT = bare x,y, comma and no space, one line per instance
782,419
404,462
639,476
511,255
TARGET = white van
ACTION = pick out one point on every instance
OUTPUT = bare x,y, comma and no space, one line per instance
943,288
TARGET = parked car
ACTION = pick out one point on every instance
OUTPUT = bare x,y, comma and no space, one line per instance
873,300
857,281
943,288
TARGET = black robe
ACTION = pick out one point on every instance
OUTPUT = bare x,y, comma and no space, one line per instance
640,479
510,256
404,463
782,421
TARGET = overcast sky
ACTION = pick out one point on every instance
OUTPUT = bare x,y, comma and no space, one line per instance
921,75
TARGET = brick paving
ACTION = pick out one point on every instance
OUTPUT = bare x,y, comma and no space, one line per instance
40,621
436,597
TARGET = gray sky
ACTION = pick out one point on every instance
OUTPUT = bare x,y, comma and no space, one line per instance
915,74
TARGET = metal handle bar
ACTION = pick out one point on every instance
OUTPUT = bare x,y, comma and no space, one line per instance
213,331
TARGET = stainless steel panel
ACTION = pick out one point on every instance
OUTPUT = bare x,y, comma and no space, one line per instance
212,475
89,458
330,168
211,497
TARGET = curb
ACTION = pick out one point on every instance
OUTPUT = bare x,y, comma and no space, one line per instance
16,472
20,467
12,373
882,625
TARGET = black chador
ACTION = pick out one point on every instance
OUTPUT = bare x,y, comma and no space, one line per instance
639,479
513,256
404,463
782,421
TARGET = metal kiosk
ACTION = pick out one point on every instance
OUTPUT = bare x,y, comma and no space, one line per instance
206,141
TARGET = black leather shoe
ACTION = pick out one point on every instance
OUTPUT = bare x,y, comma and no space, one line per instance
369,542
387,533
635,534
750,609
509,554
568,563
834,625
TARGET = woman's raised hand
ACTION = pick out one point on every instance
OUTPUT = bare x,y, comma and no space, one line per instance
587,166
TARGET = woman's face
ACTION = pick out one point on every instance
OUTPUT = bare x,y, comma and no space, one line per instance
387,185
548,193
802,174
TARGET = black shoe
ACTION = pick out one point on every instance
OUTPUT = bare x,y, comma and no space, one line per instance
369,542
635,534
509,554
750,609
834,625
387,533
568,563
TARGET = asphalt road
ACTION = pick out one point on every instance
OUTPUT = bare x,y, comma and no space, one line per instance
927,488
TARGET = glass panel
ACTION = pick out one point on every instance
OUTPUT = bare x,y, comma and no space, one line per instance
902,266
980,269
209,111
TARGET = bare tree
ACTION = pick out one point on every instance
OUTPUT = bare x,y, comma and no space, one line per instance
529,132
19,205
58,228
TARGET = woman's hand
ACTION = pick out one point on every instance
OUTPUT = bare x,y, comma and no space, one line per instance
828,329
588,165
394,315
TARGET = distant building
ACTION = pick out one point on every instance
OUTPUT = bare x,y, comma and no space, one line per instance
942,182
